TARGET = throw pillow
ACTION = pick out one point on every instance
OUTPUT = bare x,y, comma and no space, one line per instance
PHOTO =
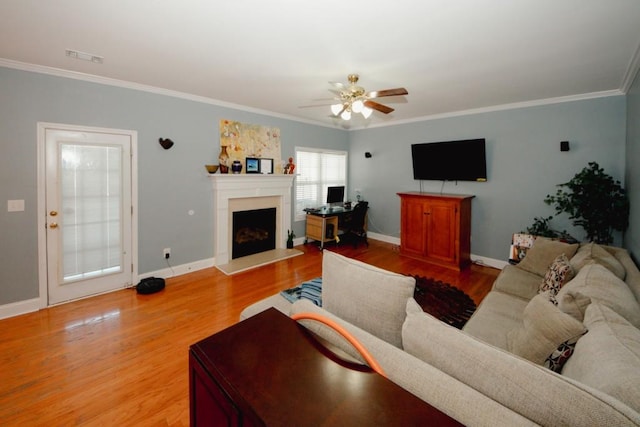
558,273
596,282
542,254
607,358
593,252
370,298
544,327
559,357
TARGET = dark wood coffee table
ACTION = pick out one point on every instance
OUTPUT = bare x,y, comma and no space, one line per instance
269,370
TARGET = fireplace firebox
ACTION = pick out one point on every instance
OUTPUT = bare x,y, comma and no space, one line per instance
253,231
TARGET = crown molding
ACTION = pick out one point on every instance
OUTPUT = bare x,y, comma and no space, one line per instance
512,106
92,78
632,71
58,72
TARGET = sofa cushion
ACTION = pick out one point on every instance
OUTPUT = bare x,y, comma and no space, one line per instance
558,273
542,254
591,252
532,390
608,356
544,327
494,318
369,297
599,284
516,281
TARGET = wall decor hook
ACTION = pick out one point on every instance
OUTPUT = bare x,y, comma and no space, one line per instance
166,143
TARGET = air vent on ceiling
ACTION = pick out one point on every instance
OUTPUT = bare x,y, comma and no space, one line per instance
84,56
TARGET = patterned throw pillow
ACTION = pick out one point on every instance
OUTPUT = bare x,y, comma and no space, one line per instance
559,357
558,273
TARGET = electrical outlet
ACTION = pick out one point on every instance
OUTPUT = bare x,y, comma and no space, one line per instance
167,253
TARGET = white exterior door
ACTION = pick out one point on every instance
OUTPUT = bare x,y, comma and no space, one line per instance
88,211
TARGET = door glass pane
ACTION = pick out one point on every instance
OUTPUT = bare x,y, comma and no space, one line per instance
91,201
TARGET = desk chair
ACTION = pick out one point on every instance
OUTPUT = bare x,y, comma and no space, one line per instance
355,228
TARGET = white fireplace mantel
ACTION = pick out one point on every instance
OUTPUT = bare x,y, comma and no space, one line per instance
227,187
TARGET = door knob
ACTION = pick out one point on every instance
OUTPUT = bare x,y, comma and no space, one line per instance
53,213
53,225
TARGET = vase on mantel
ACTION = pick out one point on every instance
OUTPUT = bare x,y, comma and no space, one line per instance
223,160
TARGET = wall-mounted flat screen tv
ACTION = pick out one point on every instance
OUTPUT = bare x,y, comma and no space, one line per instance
463,160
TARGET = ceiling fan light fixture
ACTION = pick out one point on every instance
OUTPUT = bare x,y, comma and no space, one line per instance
366,112
336,108
357,106
346,115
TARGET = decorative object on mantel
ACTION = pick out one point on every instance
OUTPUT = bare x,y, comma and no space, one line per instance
211,168
289,167
223,158
166,143
236,166
250,141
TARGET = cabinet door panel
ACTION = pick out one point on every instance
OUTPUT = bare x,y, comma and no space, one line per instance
413,227
441,232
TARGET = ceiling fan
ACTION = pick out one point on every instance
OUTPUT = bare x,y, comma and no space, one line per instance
353,98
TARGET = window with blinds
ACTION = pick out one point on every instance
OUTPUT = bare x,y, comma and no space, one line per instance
317,169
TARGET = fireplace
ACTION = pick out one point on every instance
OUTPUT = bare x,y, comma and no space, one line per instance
253,231
242,192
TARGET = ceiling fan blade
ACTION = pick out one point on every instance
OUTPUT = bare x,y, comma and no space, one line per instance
388,92
379,107
338,85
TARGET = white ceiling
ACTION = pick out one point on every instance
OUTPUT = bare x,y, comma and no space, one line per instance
278,56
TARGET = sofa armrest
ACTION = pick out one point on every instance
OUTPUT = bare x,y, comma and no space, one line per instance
431,385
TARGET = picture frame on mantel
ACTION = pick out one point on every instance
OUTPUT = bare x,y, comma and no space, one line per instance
252,165
259,165
266,166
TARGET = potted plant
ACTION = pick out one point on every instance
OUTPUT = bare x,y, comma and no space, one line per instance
290,237
594,201
542,227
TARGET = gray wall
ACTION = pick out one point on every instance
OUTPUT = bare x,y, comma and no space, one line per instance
524,164
632,236
170,183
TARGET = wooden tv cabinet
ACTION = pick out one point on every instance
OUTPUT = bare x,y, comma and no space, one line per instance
269,370
436,228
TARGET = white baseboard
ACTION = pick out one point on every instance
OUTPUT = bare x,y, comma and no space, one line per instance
20,307
179,270
488,262
31,305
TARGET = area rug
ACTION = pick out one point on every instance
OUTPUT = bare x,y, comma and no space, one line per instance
443,301
440,299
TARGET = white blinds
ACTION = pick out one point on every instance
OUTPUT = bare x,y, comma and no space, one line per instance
317,170
91,208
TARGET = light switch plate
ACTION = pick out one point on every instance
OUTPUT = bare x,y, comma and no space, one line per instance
15,205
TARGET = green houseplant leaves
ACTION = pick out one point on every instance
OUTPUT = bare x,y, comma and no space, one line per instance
594,201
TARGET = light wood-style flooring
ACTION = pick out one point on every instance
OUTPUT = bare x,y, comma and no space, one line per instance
121,359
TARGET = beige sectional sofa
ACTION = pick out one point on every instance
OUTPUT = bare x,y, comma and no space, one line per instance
484,374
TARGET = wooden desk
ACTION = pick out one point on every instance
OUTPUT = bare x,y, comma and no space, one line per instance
318,222
269,370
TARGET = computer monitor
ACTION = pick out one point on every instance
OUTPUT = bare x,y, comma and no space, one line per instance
335,195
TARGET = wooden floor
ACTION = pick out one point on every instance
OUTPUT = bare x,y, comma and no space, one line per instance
121,358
